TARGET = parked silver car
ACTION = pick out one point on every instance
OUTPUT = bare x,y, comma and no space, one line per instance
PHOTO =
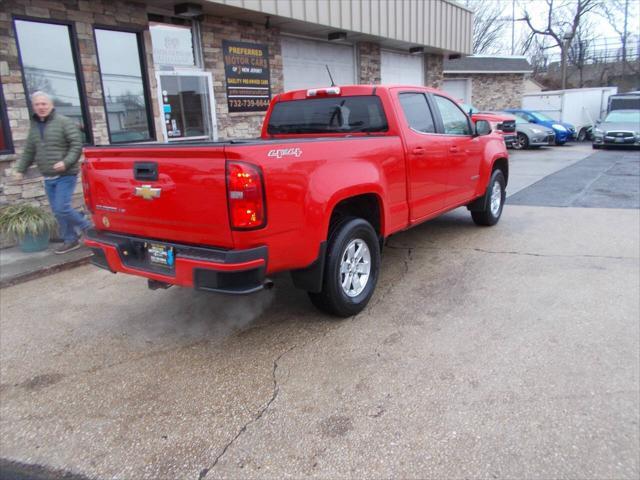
619,128
529,135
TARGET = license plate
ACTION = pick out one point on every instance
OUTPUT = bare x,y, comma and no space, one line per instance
160,254
619,140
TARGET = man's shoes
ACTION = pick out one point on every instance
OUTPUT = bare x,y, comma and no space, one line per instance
67,247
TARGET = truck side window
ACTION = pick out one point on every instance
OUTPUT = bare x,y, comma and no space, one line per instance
417,112
454,120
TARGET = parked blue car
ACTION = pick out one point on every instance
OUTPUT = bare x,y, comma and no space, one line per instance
564,131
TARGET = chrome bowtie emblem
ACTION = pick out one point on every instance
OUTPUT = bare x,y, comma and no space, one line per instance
148,192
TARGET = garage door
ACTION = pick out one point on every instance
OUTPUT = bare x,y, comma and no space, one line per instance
402,68
458,89
304,63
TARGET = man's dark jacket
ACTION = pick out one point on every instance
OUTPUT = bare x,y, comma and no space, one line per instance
54,140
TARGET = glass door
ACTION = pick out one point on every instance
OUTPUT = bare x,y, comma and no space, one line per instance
186,102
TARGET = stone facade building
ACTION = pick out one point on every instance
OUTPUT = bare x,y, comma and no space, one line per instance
158,71
487,83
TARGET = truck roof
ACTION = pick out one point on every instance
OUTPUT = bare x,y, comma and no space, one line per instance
350,90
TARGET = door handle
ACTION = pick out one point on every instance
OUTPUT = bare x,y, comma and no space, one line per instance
145,170
454,149
418,151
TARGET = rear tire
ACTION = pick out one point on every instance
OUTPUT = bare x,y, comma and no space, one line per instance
351,269
494,201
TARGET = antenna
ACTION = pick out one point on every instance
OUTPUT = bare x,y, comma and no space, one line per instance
333,84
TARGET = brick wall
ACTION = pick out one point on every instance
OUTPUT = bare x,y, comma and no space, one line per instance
369,63
494,91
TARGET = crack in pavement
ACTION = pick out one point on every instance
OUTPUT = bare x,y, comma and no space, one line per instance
256,418
507,252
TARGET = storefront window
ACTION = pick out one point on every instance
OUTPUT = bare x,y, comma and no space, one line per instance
123,86
49,65
5,135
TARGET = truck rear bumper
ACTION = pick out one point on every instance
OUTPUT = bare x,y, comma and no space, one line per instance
202,268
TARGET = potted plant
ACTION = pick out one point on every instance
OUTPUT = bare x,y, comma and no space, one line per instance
27,224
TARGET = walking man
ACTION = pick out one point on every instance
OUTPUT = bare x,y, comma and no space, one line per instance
54,142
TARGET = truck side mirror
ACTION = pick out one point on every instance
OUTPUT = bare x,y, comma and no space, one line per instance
482,127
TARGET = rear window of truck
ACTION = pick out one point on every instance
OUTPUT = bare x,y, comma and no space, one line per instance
329,115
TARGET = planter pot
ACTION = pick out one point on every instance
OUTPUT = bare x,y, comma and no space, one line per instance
34,243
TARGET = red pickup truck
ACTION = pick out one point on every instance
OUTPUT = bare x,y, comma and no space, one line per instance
336,171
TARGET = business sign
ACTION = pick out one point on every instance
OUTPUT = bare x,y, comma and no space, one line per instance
172,45
246,68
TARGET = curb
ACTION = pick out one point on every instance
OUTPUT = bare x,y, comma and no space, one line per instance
43,272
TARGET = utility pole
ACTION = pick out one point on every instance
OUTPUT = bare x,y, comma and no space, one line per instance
624,39
513,27
563,67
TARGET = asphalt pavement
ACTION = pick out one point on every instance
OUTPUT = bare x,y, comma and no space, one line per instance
503,352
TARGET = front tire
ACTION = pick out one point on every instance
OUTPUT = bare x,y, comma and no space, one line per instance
494,201
351,270
582,135
521,142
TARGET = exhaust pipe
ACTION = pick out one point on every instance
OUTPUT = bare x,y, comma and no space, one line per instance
156,284
267,284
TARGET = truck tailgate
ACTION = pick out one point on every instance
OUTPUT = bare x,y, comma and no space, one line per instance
160,192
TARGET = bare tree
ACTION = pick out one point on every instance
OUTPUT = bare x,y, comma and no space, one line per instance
617,14
581,49
489,23
560,25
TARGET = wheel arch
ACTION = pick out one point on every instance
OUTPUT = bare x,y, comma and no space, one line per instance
365,204
502,164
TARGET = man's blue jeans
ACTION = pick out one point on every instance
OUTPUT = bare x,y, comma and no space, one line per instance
60,190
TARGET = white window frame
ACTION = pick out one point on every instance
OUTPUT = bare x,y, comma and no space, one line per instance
212,103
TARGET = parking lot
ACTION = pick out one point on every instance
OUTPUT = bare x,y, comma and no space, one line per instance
504,352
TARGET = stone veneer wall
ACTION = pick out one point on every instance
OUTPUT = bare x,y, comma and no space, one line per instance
84,15
214,31
494,91
369,63
433,70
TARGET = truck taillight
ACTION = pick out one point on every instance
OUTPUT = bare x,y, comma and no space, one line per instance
86,191
245,194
